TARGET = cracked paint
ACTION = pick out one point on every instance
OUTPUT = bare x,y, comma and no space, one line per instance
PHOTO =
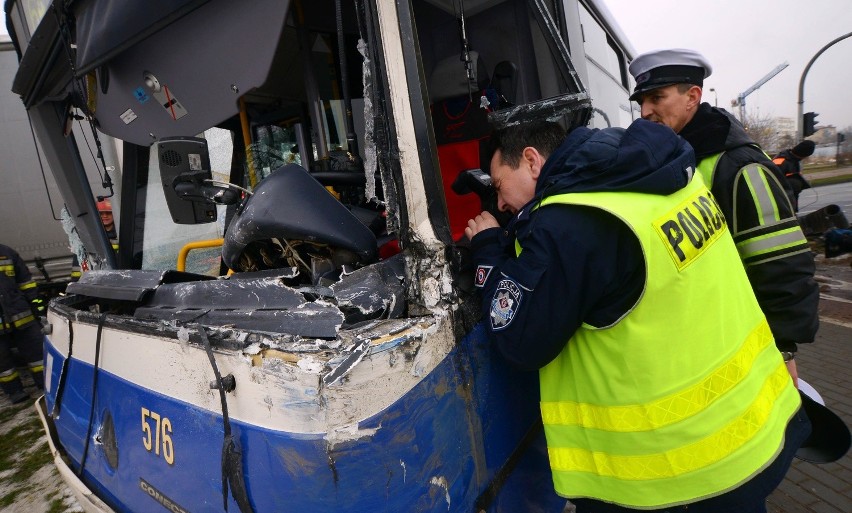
441,482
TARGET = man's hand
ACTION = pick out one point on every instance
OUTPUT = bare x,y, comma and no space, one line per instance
479,223
794,372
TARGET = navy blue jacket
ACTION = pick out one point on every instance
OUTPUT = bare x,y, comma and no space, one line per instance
579,264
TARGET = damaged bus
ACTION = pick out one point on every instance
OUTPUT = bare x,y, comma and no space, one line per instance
286,320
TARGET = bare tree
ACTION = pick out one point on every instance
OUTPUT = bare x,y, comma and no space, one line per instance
844,146
764,130
785,141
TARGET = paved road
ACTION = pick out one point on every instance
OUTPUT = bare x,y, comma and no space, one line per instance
825,365
839,194
823,488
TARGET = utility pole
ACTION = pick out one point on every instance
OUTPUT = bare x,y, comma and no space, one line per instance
801,127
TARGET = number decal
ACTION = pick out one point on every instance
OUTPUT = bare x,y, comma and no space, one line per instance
168,448
146,429
156,417
159,436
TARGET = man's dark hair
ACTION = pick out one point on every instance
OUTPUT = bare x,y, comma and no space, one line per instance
544,136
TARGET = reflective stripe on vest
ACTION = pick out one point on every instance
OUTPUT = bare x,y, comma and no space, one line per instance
667,409
18,320
685,396
8,376
7,266
774,238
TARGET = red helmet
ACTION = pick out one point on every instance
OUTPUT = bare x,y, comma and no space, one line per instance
104,206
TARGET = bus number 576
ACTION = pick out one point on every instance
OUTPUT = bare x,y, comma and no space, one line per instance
157,435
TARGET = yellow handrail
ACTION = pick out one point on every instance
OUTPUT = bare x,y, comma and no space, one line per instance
244,124
184,251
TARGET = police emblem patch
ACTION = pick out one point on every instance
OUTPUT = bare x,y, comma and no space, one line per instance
640,79
505,304
482,274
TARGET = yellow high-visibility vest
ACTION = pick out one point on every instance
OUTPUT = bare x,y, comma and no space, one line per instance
686,396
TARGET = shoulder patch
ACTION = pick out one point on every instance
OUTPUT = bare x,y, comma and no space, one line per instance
505,303
482,274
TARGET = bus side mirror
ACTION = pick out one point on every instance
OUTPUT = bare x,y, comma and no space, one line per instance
185,174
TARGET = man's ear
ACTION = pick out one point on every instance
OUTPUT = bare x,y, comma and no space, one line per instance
694,97
533,160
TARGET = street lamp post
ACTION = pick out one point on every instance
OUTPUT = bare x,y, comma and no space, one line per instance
801,123
715,97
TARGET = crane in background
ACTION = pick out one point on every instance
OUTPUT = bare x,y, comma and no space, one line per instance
740,100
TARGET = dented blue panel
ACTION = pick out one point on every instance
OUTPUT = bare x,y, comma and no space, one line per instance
434,449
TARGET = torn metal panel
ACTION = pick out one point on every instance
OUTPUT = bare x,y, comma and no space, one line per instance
314,320
575,108
395,363
348,363
430,284
378,338
237,294
127,285
371,290
370,160
265,301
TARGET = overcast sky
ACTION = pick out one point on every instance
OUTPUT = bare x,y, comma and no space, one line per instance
744,40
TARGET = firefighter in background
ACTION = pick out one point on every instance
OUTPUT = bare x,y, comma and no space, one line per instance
105,211
108,221
790,163
19,325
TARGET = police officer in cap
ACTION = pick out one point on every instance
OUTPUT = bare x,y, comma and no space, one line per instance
750,189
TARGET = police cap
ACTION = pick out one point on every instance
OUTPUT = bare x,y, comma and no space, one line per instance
661,68
829,439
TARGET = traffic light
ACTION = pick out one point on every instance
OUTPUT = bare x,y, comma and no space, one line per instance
810,123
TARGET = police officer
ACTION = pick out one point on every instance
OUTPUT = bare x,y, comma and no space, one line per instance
19,325
618,278
752,192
